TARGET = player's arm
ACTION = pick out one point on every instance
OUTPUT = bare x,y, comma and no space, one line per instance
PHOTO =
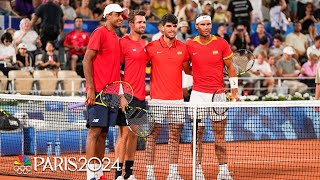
87,69
233,78
187,68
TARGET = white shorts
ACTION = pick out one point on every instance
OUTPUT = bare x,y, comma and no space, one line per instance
174,114
204,113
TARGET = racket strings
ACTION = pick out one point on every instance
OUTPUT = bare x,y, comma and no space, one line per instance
221,96
111,93
139,122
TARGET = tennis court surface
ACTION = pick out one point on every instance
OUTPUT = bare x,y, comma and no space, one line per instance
264,140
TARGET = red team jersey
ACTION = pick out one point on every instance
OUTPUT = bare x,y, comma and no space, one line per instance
166,69
208,63
106,63
79,39
134,57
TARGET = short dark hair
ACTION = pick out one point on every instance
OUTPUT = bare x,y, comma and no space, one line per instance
264,40
317,38
78,17
134,13
169,18
6,36
277,36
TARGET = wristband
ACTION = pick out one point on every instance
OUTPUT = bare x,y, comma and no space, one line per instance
120,90
233,82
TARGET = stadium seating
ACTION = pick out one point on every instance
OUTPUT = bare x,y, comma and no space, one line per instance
71,82
3,82
46,82
20,82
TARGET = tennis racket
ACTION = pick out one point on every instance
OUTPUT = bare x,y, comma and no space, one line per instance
109,96
243,61
140,122
221,95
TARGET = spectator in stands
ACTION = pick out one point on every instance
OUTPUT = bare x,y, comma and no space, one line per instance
312,33
262,69
49,60
309,69
277,17
240,38
256,36
182,33
7,54
272,62
84,11
220,15
98,9
126,4
289,67
302,7
308,19
293,8
299,42
207,8
24,8
161,7
145,6
318,83
277,49
68,11
195,9
23,59
222,32
51,21
77,41
159,34
122,31
29,37
182,11
240,11
314,49
263,46
257,16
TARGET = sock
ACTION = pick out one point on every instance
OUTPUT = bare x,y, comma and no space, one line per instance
223,167
173,169
91,174
150,171
119,173
129,169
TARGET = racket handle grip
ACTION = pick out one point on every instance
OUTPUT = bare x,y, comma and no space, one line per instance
76,105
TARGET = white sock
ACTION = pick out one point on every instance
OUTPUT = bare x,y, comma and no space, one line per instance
150,171
223,168
199,166
91,174
173,169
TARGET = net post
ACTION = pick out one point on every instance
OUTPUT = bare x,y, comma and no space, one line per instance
194,143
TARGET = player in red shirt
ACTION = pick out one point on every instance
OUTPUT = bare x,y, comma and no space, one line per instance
167,56
209,54
77,41
134,58
101,66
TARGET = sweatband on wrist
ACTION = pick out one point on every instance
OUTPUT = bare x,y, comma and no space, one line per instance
233,82
120,90
203,18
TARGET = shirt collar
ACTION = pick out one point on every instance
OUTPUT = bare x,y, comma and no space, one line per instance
197,39
164,44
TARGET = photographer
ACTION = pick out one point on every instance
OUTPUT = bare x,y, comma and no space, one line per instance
277,17
240,38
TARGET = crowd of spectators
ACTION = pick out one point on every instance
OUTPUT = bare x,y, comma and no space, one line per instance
278,54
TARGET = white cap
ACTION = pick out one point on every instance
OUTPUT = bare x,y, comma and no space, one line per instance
207,2
218,5
112,8
22,45
288,50
196,1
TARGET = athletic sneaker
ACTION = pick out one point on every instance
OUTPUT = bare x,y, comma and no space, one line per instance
120,178
132,178
174,177
199,174
224,176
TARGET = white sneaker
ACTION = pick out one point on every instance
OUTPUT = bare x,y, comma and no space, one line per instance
224,175
199,174
132,178
174,177
120,178
150,177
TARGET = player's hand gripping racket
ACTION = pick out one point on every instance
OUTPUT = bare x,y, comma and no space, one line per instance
110,95
243,61
140,122
221,96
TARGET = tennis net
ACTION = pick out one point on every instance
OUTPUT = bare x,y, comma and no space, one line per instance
263,140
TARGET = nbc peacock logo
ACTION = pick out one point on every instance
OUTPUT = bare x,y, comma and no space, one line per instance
22,165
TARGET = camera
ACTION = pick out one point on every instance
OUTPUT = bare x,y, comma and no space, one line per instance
240,30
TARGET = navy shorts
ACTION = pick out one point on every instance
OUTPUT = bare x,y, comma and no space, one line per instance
121,119
101,116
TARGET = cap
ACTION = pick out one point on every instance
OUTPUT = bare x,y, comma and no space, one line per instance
183,24
112,8
22,45
207,2
196,1
218,5
288,50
